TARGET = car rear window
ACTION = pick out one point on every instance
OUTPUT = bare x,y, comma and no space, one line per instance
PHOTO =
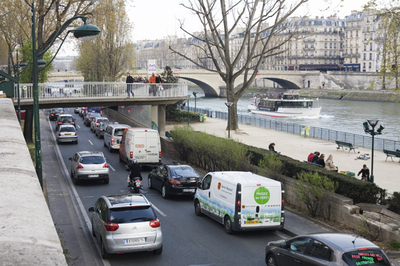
365,257
102,120
67,129
131,214
183,171
119,131
93,160
66,119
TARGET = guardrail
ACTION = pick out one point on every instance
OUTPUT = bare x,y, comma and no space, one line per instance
314,132
100,89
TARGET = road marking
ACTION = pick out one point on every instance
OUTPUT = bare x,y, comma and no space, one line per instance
78,126
90,141
112,168
158,210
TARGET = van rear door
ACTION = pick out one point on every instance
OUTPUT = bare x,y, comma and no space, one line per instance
146,146
153,147
261,205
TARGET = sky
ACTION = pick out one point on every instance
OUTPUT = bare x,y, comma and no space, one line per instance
156,19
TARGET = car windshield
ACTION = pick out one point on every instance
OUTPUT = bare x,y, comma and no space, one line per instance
365,257
102,120
93,160
119,131
94,115
67,119
183,171
131,214
67,129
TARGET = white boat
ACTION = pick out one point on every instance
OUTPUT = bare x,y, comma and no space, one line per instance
283,105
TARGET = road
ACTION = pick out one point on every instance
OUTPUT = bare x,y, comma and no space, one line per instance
187,238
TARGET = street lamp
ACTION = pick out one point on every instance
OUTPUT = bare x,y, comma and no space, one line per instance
18,66
372,122
229,104
85,32
188,109
195,93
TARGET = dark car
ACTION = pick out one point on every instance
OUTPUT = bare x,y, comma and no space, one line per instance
88,118
173,179
65,119
100,128
54,113
325,249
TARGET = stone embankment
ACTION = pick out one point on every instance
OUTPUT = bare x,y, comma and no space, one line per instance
355,95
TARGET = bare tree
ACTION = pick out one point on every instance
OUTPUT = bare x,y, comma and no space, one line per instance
258,21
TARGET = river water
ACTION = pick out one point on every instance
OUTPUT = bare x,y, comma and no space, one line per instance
341,115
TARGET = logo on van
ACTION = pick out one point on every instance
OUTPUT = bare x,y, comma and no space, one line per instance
219,185
139,145
262,195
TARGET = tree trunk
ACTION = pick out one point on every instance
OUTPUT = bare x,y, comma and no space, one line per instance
28,126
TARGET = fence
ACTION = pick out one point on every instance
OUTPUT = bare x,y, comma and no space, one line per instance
100,89
314,132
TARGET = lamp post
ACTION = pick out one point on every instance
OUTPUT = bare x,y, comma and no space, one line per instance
229,104
188,109
86,32
18,92
372,122
195,93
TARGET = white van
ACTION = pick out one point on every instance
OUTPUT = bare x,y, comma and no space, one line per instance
241,201
113,136
140,143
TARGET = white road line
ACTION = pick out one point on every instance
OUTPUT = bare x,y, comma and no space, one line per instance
158,210
90,142
112,168
78,126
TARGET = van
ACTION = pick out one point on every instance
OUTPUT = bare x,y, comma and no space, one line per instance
113,136
241,201
141,143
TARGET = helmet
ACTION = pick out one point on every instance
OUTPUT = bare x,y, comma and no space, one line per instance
134,160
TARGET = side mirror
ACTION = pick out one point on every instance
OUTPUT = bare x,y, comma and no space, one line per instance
91,209
283,245
70,158
198,184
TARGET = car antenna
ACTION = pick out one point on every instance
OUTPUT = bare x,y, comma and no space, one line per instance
354,241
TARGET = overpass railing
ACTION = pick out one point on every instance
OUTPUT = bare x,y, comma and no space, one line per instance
313,132
100,89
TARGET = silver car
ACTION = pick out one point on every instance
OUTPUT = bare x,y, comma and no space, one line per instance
89,165
124,224
325,249
95,121
67,133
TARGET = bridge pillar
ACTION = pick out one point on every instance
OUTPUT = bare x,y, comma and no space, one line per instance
162,110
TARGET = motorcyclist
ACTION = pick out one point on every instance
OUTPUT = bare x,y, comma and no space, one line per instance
135,168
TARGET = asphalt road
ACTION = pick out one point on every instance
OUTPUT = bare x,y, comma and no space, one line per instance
187,238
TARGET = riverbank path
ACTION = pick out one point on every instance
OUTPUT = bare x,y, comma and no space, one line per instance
386,173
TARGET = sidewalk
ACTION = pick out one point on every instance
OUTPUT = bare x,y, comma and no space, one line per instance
299,147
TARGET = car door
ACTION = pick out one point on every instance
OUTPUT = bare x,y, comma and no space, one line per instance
294,253
205,194
99,216
74,164
158,178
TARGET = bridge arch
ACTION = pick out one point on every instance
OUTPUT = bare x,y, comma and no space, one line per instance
284,83
208,90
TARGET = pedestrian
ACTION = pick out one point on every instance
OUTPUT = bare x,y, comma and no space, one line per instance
316,157
329,164
271,147
364,173
158,81
321,160
311,156
152,81
129,81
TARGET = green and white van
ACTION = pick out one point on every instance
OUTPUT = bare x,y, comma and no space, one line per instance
241,201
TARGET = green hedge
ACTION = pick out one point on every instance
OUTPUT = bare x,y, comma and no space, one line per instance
219,154
177,115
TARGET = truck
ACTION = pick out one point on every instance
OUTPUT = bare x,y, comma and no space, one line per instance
140,143
241,201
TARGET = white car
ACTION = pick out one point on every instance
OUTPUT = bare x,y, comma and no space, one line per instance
67,133
96,121
89,165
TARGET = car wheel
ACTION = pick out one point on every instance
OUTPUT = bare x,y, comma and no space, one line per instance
72,175
149,183
76,181
164,193
271,261
110,149
197,208
104,143
228,225
76,141
106,181
104,253
158,251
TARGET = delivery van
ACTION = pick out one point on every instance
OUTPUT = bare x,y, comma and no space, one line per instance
241,201
140,143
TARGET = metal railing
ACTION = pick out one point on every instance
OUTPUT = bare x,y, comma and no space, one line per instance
314,132
100,89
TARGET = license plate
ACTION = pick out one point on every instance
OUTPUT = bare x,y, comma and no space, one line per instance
189,190
134,240
67,134
252,222
93,175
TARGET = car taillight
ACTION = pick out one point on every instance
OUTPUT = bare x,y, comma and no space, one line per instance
112,140
101,130
131,154
96,124
159,155
52,114
60,123
105,165
172,181
155,223
79,166
72,123
76,133
111,227
59,133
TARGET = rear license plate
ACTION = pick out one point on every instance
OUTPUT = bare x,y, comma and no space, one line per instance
93,176
189,190
252,222
67,134
134,240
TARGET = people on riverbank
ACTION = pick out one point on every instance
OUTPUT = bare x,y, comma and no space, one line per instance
271,147
316,157
329,165
311,156
364,173
321,160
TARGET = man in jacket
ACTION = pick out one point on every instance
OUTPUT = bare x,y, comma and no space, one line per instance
129,81
152,81
364,173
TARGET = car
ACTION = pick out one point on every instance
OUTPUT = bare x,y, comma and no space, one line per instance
325,249
67,133
124,224
88,118
113,135
100,129
173,179
64,119
77,110
89,165
54,112
95,121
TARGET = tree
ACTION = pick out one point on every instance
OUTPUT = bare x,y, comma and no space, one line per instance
168,76
109,55
249,19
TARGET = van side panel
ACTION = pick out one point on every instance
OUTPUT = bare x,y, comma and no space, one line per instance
123,148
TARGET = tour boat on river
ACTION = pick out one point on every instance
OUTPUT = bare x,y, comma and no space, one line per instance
283,105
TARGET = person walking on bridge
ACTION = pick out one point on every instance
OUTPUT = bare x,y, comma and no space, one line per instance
129,81
152,81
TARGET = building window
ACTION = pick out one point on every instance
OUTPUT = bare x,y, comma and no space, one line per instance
369,65
334,45
312,61
356,33
365,47
370,46
351,34
365,56
326,45
364,66
370,56
351,51
351,61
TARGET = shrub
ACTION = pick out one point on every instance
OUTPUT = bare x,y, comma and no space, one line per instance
271,162
394,202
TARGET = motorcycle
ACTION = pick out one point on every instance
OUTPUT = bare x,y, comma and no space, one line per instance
135,184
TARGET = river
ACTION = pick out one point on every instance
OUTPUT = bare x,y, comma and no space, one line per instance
341,115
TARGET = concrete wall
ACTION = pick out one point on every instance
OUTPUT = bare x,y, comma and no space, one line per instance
27,232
